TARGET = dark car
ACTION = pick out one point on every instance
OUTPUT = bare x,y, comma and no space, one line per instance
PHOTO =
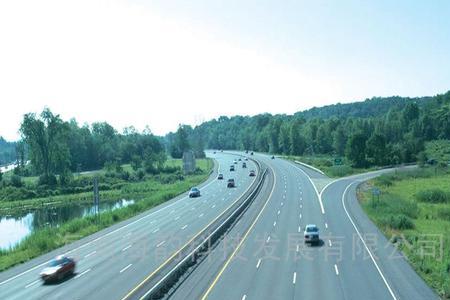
246,151
194,192
220,176
251,153
273,157
231,183
232,168
252,173
244,165
246,159
58,268
240,159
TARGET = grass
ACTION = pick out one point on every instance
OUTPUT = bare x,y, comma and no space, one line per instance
153,193
325,163
418,225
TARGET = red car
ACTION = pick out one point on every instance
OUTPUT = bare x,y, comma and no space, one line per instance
58,268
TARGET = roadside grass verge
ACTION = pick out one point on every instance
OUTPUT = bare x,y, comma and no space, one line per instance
46,239
413,211
326,164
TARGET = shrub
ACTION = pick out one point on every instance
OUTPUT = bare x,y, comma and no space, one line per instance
444,213
16,181
399,222
433,196
384,180
49,180
340,171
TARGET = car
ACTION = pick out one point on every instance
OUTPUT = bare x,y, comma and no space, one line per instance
252,173
244,165
58,268
246,151
220,176
273,157
251,153
240,159
231,168
311,234
194,192
231,183
214,152
246,159
235,162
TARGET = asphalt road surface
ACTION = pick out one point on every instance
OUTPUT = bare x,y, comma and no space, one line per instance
113,261
265,256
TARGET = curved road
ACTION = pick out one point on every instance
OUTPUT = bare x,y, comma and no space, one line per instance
115,260
267,258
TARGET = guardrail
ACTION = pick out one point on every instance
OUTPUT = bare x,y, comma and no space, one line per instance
200,246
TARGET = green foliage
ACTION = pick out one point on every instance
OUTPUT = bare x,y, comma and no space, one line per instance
399,222
433,196
16,181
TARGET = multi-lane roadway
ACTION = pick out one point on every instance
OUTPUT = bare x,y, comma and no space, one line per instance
262,257
114,261
271,260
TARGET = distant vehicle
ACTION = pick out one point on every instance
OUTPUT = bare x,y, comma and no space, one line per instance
311,234
220,176
194,192
251,153
246,158
246,151
252,173
232,168
273,157
244,165
58,268
240,159
235,162
231,183
214,152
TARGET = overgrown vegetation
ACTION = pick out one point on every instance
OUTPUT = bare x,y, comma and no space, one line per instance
153,191
413,211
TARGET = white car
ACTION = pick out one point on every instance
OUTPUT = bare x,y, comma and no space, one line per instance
311,234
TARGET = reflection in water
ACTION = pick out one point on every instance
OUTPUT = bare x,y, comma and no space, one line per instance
15,228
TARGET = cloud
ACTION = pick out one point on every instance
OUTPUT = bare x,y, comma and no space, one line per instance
123,63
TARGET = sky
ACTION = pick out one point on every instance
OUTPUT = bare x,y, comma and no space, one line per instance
163,63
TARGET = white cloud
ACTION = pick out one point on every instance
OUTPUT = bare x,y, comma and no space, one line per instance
119,62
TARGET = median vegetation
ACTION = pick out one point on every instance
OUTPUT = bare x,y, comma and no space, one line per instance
151,191
413,210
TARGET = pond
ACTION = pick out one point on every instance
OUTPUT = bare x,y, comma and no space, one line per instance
14,229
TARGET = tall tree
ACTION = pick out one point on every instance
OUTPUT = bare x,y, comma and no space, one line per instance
356,149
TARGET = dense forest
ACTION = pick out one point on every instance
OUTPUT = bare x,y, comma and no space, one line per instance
378,131
7,151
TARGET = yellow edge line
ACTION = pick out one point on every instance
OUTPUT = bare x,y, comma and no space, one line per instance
242,240
185,245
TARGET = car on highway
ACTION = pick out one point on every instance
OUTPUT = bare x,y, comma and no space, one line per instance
251,153
235,162
220,176
252,173
273,157
231,168
244,165
58,268
311,234
194,192
246,159
231,183
240,159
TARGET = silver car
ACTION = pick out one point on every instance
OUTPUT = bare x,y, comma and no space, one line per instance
311,234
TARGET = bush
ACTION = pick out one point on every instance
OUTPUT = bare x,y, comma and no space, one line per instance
399,222
16,181
384,180
340,171
433,196
444,213
49,180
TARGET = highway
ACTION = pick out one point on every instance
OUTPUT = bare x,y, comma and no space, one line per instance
266,258
114,261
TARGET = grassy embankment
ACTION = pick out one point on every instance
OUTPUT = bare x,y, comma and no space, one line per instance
325,163
152,191
413,211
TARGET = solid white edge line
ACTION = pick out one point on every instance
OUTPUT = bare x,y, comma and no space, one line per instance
364,243
124,269
103,236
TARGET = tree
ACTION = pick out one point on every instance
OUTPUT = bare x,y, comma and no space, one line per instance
180,143
339,141
376,149
298,143
356,149
46,138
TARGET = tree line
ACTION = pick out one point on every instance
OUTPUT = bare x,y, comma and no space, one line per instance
379,131
56,147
